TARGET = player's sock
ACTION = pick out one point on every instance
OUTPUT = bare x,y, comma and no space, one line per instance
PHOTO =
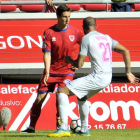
35,113
63,102
58,121
57,108
58,124
84,112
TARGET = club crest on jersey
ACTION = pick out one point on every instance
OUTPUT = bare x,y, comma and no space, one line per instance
53,39
72,37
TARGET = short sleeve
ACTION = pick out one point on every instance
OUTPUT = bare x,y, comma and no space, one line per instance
46,41
114,42
84,47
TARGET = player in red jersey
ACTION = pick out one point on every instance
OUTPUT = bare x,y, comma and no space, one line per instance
59,41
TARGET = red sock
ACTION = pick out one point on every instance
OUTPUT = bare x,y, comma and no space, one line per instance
35,113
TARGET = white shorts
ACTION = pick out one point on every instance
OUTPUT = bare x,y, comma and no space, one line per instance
89,85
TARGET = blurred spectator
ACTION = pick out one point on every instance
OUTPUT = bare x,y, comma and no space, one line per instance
121,7
49,2
5,116
48,7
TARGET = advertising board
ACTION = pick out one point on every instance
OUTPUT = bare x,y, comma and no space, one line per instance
115,107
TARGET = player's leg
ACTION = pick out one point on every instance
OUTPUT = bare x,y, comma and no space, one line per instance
36,107
93,85
84,113
81,87
58,121
35,113
63,101
63,104
62,81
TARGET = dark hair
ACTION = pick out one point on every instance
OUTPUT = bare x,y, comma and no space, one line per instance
62,8
89,21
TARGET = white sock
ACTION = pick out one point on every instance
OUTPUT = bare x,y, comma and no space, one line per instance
84,112
63,104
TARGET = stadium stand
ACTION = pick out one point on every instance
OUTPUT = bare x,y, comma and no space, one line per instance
74,7
96,7
39,8
7,8
31,8
136,6
38,5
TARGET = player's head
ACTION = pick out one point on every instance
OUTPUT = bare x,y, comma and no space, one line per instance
89,24
5,116
62,8
63,15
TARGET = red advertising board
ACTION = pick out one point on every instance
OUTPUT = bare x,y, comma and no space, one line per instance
115,107
21,40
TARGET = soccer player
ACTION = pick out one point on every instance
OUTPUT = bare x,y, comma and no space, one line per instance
99,48
5,116
59,41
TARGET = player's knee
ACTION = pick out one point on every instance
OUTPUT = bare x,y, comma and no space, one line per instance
61,90
40,98
64,90
58,91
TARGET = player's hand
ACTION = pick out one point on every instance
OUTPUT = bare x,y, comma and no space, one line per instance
74,68
46,78
50,9
132,79
49,2
68,59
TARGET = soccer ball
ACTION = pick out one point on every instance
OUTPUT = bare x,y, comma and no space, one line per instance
75,125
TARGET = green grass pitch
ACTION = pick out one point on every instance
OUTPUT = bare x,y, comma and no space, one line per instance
96,134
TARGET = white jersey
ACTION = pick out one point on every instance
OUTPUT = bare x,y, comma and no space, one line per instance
99,48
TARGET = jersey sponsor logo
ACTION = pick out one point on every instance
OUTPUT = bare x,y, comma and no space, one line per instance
53,39
72,37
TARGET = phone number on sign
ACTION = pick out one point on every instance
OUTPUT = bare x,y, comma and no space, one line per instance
110,126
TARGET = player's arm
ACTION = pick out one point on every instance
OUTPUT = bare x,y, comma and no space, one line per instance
47,61
126,57
78,63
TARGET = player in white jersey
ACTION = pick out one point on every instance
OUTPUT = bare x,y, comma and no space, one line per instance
99,49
